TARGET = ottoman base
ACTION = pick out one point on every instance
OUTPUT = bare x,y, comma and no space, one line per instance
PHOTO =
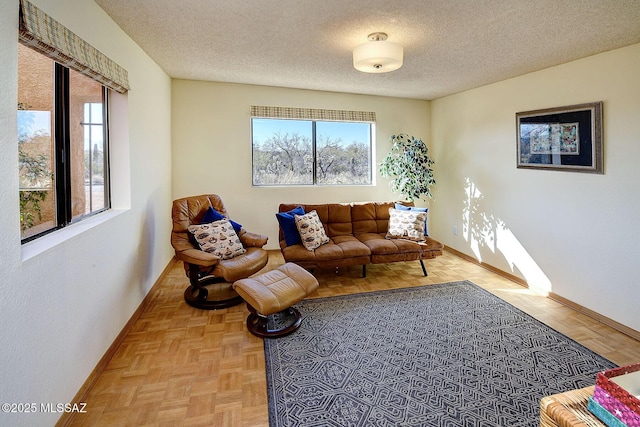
275,325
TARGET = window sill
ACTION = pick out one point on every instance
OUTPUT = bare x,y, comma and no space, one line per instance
45,243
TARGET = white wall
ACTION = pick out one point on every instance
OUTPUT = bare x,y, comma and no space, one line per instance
64,298
574,234
211,132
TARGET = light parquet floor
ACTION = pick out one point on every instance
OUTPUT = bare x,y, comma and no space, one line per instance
183,366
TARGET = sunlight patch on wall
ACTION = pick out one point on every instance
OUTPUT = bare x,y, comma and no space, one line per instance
482,229
517,256
470,230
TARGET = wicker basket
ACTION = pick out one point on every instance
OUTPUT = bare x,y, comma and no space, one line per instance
568,409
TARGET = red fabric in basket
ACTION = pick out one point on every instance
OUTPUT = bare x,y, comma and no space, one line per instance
617,408
603,380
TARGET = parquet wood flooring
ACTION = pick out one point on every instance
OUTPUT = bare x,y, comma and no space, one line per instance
182,366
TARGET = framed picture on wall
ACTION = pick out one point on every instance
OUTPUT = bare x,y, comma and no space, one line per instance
564,138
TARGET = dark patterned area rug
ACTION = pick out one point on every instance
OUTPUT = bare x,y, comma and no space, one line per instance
437,355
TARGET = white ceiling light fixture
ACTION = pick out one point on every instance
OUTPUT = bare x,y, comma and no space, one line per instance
377,55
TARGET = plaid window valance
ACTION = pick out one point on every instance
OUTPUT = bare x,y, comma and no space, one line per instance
41,32
313,114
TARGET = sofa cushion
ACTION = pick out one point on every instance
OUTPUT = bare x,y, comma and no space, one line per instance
406,225
299,255
335,217
288,225
311,230
338,222
338,252
385,250
342,247
218,238
372,217
378,244
402,207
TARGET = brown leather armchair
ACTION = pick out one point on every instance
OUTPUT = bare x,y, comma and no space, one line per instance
210,276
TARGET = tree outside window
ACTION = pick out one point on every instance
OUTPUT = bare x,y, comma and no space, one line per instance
308,152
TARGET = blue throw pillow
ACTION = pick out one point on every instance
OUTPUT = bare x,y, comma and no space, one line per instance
402,207
212,215
288,225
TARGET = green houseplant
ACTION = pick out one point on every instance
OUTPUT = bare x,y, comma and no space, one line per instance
409,166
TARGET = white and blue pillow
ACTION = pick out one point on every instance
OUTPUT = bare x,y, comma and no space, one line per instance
210,216
311,230
402,207
406,224
218,238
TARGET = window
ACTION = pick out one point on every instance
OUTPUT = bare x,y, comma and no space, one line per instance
63,144
63,88
297,146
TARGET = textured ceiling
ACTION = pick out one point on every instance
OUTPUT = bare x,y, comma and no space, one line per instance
449,45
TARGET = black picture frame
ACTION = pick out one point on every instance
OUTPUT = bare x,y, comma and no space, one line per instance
563,138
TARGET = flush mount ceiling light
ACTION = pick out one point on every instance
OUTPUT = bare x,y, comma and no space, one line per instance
377,55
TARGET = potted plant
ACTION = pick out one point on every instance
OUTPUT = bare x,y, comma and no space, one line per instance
409,166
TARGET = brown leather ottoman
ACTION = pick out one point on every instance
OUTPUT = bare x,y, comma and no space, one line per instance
274,293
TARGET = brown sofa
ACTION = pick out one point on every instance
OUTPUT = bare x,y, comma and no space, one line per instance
357,237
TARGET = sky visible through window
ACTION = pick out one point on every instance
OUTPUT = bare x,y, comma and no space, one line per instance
263,129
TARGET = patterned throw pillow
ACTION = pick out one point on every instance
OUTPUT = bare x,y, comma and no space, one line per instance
311,230
402,207
407,225
218,238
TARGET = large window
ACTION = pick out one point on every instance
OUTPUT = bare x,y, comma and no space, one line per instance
308,152
63,144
